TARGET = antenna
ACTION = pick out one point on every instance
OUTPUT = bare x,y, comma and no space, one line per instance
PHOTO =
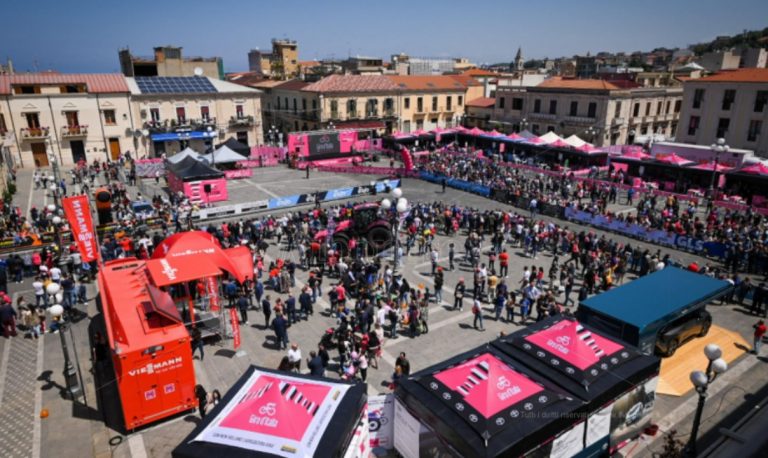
198,71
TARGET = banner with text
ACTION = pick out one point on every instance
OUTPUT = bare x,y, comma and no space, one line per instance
235,327
78,214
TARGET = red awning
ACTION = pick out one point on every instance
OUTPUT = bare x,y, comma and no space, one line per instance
198,247
169,271
242,259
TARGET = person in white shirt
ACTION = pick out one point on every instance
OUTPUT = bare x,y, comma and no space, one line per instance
294,357
40,296
55,274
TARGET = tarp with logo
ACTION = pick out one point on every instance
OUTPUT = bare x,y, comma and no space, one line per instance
270,413
196,247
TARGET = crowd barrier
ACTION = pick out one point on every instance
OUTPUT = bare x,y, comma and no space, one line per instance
366,170
468,186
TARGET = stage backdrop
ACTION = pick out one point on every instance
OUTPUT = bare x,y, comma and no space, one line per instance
322,143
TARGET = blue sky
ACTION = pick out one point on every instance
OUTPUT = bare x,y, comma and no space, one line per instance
84,36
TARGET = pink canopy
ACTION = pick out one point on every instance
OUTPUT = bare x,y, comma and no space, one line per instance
672,159
402,135
560,144
494,133
635,154
535,140
757,169
476,131
438,130
711,166
420,132
587,148
514,136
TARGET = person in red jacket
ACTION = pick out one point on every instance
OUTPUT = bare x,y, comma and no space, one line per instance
758,336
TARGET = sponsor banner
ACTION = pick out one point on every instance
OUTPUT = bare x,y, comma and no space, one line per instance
277,415
235,327
325,143
78,214
381,421
212,287
238,173
263,162
288,201
474,188
362,170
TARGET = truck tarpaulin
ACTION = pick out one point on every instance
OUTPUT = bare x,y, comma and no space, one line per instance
78,214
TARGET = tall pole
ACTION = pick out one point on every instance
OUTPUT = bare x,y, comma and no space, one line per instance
690,448
70,375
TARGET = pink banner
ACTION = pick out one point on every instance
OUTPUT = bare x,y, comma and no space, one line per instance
238,173
235,327
361,170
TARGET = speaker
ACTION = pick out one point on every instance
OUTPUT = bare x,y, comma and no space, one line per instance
103,205
207,188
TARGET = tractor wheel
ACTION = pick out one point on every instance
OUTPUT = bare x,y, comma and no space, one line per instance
379,238
341,243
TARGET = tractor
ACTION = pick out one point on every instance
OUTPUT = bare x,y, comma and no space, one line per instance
364,223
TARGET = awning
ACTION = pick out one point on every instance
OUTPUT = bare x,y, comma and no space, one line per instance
169,271
242,258
175,136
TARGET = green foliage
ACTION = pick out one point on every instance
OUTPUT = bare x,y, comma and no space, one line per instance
747,39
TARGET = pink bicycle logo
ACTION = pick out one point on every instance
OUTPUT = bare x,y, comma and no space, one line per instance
268,409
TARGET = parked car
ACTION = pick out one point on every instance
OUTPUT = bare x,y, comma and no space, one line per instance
634,414
681,330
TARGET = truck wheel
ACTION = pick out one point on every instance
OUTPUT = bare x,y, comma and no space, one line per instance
705,328
379,238
672,348
342,244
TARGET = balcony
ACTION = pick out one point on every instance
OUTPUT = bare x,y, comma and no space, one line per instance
32,133
352,115
335,115
389,113
242,121
543,116
372,114
74,131
582,120
617,122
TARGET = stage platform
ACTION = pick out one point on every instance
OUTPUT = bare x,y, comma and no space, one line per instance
674,379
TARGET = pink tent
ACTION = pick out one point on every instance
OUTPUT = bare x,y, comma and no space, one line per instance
672,159
535,141
635,154
757,169
587,148
402,135
711,166
515,137
420,132
494,133
475,131
438,130
560,144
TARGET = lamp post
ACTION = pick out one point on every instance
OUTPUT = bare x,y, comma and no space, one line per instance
272,133
717,148
523,124
400,207
331,126
70,375
701,381
591,132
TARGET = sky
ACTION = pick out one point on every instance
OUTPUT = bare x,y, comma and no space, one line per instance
85,35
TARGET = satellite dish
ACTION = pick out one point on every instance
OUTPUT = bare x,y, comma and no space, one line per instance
198,71
145,132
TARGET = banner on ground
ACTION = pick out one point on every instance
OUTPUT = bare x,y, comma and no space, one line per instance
78,214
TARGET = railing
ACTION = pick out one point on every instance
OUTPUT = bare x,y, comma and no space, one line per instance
74,131
544,116
241,121
351,114
34,132
389,112
617,121
580,120
372,114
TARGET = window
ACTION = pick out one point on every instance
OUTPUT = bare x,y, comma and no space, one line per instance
314,104
461,100
278,103
154,114
205,113
434,103
334,108
303,104
728,97
351,107
449,102
406,126
502,101
109,117
553,107
28,90
295,108
755,126
389,104
419,104
722,127
433,121
3,128
574,109
517,103
72,118
33,120
693,125
239,111
550,128
698,97
617,110
658,107
419,124
407,103
636,110
181,115
648,109
666,110
592,110
537,106
678,105
761,99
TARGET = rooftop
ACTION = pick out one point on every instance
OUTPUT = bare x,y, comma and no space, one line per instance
482,102
579,84
431,83
742,75
479,72
352,83
150,85
96,83
292,85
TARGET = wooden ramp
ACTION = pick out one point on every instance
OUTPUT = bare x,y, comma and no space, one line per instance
676,370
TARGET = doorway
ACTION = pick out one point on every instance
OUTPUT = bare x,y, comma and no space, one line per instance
78,150
39,154
242,137
114,148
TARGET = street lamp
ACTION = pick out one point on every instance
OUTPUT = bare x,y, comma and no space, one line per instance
400,207
701,381
70,375
331,125
523,124
717,148
591,132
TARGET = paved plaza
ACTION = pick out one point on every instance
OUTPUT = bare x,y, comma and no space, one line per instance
31,371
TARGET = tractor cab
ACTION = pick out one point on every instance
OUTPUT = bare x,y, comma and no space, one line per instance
363,216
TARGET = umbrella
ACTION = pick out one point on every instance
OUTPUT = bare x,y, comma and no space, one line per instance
711,167
672,159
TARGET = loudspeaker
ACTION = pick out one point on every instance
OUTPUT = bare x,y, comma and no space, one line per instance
207,188
103,205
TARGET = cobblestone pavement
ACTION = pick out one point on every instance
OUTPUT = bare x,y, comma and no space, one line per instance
17,403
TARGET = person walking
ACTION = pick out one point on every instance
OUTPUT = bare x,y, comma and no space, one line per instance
242,305
197,343
266,309
8,318
757,336
280,326
439,279
478,313
458,295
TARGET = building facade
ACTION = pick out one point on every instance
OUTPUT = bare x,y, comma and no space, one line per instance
732,105
169,61
195,111
595,110
65,117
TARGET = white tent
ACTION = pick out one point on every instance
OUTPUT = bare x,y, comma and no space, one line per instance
180,156
223,155
575,141
526,134
550,137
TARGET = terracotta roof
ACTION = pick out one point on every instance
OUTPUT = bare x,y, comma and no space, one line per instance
309,63
482,102
571,83
352,83
245,78
292,85
478,72
431,83
742,75
95,82
266,84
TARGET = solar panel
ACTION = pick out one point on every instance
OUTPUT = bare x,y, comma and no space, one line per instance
174,85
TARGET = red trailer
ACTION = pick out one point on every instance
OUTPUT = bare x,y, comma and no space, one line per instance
150,346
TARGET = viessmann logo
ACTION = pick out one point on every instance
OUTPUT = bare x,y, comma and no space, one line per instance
152,368
168,270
